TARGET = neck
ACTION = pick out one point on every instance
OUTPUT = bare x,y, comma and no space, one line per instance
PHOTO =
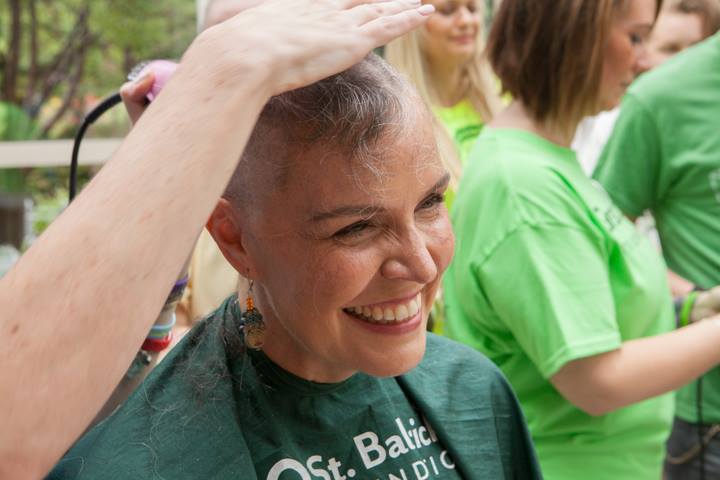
516,116
447,79
287,352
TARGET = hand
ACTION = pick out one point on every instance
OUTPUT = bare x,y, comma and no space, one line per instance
133,95
706,305
297,42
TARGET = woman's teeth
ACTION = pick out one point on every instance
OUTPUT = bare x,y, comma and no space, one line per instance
388,314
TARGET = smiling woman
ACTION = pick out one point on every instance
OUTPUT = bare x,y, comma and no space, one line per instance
366,227
336,215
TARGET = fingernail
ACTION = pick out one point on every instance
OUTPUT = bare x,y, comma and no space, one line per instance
143,77
127,89
426,9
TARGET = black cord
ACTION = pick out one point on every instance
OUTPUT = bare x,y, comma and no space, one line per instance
701,439
89,119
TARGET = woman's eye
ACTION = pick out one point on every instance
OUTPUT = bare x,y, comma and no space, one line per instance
432,201
353,229
671,49
636,39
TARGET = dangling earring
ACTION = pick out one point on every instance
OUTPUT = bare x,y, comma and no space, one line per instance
253,324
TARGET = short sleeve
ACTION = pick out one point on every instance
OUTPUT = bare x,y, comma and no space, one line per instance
550,286
629,165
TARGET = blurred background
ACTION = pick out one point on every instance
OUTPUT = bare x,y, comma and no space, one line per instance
58,60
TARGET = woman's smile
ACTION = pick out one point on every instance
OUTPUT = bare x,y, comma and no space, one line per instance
393,317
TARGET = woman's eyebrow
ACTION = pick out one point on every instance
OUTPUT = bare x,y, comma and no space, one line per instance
643,26
345,211
368,210
440,184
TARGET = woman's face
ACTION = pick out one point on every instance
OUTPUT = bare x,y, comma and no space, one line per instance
348,260
673,33
451,32
625,54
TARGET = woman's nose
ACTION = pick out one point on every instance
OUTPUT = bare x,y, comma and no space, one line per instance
465,16
412,261
643,62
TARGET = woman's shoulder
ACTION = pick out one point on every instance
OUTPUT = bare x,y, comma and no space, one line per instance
188,394
523,179
451,366
465,396
516,157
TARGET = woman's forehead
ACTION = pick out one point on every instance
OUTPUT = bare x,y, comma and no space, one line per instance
319,177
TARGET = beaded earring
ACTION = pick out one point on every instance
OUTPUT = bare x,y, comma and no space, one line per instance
253,324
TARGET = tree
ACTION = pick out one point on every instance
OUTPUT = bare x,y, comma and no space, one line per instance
68,49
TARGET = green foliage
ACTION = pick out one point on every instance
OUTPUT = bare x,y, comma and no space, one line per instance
134,30
110,37
107,38
16,124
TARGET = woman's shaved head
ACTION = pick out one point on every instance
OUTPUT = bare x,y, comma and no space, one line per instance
347,114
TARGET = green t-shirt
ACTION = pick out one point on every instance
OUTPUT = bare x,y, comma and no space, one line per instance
464,125
212,410
547,271
664,155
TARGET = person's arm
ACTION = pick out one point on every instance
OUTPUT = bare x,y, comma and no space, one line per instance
678,284
640,369
133,95
561,312
65,342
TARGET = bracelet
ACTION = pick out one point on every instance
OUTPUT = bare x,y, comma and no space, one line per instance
182,283
159,331
157,344
686,308
177,290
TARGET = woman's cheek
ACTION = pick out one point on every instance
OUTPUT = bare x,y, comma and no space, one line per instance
441,241
346,272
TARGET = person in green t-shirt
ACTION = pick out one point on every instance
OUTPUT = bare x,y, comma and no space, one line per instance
664,156
335,215
549,279
445,61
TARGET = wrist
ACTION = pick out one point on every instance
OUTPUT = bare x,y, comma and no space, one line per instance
239,69
684,307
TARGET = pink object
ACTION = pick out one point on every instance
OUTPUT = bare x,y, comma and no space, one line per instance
163,70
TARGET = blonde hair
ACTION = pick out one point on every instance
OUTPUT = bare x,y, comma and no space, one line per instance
478,87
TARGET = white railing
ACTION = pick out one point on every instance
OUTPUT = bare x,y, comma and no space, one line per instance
55,153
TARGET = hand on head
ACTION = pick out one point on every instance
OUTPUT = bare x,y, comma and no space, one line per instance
293,43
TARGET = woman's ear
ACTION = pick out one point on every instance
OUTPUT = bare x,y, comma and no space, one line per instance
226,229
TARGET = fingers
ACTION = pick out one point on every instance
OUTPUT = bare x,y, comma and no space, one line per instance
385,28
365,11
133,95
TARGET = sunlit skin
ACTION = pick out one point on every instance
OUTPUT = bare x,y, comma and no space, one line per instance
337,236
451,33
673,33
626,52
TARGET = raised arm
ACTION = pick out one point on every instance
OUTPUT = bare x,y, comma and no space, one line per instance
65,344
